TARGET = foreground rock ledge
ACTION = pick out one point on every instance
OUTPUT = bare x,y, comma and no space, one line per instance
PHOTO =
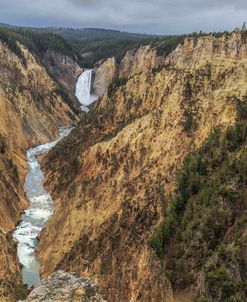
62,286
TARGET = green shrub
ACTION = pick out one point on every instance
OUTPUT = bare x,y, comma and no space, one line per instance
187,105
2,145
115,85
209,200
36,42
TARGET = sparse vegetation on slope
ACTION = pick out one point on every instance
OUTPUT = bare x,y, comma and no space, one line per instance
36,42
204,230
112,177
94,45
32,110
53,52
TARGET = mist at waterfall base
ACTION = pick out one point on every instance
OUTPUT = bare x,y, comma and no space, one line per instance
35,217
83,90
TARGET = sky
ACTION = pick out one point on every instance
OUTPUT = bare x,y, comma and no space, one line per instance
142,16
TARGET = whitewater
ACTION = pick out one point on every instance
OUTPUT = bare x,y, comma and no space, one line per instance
40,209
36,216
83,90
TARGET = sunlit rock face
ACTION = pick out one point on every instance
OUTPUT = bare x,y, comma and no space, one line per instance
141,60
112,178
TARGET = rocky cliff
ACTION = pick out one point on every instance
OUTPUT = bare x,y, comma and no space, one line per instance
110,73
10,278
62,286
104,75
141,60
112,178
65,72
31,111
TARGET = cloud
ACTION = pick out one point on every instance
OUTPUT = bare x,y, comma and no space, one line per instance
160,16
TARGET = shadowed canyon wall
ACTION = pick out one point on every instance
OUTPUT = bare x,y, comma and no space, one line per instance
31,111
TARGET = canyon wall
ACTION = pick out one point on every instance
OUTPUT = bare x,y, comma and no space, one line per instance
109,73
111,179
10,277
31,111
65,71
141,60
104,75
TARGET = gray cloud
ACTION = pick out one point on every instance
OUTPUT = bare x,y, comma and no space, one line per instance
160,16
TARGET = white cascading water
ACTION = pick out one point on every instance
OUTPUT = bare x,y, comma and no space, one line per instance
41,207
36,216
83,89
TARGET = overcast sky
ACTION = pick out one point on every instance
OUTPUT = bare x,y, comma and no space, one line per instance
145,16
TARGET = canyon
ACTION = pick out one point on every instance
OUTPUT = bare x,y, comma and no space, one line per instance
35,217
112,178
32,110
127,181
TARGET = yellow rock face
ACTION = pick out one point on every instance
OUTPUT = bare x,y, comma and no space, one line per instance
142,60
10,277
103,76
31,112
111,178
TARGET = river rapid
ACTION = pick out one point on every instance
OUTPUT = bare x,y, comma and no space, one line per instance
36,216
40,209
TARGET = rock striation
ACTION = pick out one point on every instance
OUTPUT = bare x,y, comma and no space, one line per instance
104,75
141,60
65,72
112,178
31,111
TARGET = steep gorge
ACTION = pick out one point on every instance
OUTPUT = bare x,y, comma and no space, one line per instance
31,111
111,179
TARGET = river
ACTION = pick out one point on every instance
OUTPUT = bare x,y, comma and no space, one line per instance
40,209
35,217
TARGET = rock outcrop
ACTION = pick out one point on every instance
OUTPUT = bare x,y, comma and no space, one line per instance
62,286
141,60
104,76
65,71
112,177
10,278
134,62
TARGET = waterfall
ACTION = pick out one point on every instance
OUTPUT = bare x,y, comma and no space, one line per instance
83,89
41,204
